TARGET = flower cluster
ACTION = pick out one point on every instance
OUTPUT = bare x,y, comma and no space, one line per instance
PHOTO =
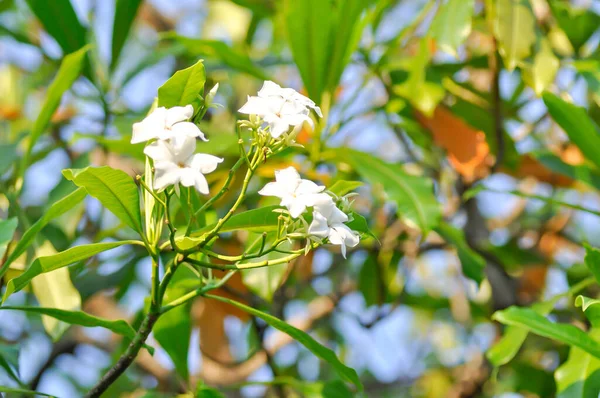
173,152
298,194
280,108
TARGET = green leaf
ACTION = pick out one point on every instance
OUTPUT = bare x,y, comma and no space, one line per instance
536,323
579,376
508,346
79,318
183,87
540,75
125,13
57,209
514,28
580,128
265,281
359,224
50,263
590,308
583,172
8,154
69,70
206,392
22,391
413,195
452,24
174,328
7,230
578,24
472,263
343,187
60,20
10,369
214,49
114,189
592,261
346,373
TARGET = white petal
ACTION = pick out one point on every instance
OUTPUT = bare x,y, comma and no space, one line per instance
201,184
308,187
184,129
340,234
255,106
166,173
149,128
183,148
270,88
273,189
204,163
318,227
188,176
288,178
178,114
318,110
296,207
160,151
278,127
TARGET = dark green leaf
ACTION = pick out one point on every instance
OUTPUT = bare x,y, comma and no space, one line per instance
580,128
21,391
578,24
413,195
79,318
125,13
183,87
303,338
114,189
61,22
590,308
8,154
7,230
359,224
592,261
472,263
50,263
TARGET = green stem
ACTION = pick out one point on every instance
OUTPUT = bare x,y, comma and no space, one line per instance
150,191
259,264
195,293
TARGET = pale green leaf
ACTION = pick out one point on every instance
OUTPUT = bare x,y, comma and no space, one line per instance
514,28
343,187
452,24
579,376
22,392
50,263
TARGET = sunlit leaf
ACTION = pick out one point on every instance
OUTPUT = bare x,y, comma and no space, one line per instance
579,376
452,24
514,28
183,87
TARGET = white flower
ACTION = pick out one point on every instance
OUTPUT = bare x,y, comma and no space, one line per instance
211,95
295,193
165,123
328,222
175,163
280,108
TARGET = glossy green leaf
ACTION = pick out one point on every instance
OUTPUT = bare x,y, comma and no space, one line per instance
10,368
50,263
580,128
183,87
343,187
509,345
514,28
173,329
590,308
579,24
592,261
69,70
346,373
359,224
23,392
538,324
217,50
204,391
472,263
125,13
60,20
7,230
265,281
114,189
413,195
579,376
452,24
79,318
58,208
